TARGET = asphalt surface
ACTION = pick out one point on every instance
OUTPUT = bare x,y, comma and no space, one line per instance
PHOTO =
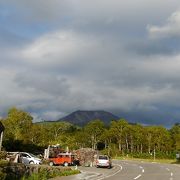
128,170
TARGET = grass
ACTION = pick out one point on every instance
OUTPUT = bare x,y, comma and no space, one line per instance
168,161
45,175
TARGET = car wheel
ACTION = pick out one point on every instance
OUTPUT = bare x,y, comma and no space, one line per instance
31,162
65,164
51,163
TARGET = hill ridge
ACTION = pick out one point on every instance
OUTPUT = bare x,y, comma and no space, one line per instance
82,117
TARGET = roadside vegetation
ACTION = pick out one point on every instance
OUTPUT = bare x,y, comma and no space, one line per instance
17,171
45,174
119,139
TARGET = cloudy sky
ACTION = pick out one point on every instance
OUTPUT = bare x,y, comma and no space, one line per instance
59,56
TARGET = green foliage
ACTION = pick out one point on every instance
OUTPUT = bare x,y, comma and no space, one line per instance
3,155
11,171
16,171
3,163
164,155
94,129
67,173
112,150
18,124
120,138
118,129
42,174
20,145
81,139
45,174
175,134
159,155
141,155
2,175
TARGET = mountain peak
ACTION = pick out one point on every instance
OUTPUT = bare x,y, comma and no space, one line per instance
82,117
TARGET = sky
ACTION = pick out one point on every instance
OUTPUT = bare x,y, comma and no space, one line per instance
59,56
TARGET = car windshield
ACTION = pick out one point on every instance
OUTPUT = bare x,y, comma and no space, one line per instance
32,155
103,157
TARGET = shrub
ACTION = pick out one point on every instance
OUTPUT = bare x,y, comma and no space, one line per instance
16,171
3,154
45,173
3,163
111,150
141,155
2,174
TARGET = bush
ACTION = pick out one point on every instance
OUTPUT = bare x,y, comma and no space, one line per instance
163,155
111,150
3,154
50,172
3,163
36,176
158,155
17,171
141,155
2,174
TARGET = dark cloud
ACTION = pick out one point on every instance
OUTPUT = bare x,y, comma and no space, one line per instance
8,39
169,47
43,83
162,40
60,56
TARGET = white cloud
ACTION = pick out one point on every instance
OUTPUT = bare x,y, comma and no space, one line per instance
76,57
58,48
169,30
52,115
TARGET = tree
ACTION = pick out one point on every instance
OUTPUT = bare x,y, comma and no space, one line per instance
82,139
158,138
94,130
138,137
19,124
39,135
57,129
175,134
118,130
149,137
106,137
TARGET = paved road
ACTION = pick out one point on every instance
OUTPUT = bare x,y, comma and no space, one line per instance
129,170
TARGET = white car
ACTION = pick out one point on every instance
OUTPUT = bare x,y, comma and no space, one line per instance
103,161
28,158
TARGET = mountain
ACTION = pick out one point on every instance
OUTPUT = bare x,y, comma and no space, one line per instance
81,118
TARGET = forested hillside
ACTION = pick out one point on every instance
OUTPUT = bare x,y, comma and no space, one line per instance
81,118
119,138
